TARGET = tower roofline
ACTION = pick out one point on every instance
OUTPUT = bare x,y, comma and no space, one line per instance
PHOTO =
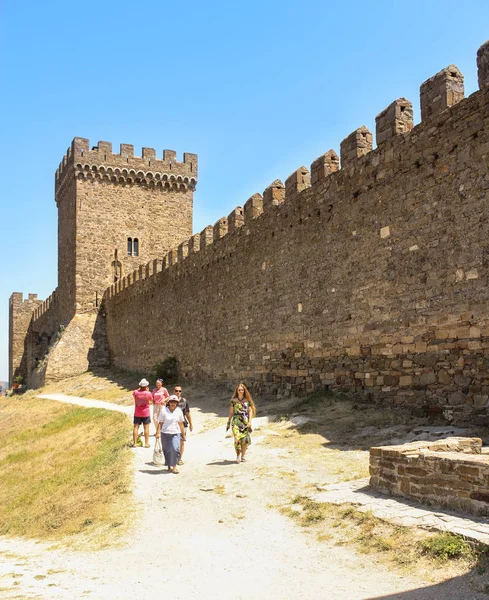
126,167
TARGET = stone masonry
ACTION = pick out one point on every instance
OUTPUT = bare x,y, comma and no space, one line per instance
115,213
451,473
369,280
20,315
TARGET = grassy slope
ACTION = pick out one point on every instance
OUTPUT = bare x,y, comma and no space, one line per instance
113,385
64,470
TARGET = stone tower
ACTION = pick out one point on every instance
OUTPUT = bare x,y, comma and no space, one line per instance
116,212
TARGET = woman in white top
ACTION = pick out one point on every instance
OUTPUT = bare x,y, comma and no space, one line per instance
170,425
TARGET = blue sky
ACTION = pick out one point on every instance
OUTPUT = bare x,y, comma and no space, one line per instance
257,89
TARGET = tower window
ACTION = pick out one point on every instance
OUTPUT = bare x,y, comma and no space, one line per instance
132,247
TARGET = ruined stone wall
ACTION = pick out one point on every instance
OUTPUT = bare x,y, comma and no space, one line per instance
20,316
369,280
44,330
451,473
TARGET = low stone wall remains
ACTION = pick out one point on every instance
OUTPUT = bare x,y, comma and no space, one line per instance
451,473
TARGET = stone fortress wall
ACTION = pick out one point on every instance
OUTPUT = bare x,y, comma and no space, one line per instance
103,198
370,279
20,316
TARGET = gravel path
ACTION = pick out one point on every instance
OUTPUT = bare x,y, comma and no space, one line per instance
206,533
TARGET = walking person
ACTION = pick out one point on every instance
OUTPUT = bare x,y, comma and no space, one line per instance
170,425
185,408
160,397
142,400
241,413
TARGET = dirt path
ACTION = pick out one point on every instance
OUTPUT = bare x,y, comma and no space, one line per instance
205,533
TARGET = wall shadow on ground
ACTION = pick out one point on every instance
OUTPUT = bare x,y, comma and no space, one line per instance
408,503
208,397
345,424
470,586
352,424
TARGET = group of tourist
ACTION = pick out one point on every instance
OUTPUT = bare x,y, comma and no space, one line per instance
172,417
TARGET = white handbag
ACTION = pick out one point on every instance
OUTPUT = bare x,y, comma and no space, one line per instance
158,453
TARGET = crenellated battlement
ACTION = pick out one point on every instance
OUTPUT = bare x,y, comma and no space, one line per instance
369,279
99,163
45,306
394,125
363,273
17,299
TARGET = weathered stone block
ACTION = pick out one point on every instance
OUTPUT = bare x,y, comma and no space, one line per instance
427,378
354,146
441,91
182,251
274,194
253,207
194,243
104,148
126,150
396,119
235,219
220,228
206,236
296,182
323,166
483,65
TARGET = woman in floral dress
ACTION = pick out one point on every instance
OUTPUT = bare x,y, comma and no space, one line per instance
241,413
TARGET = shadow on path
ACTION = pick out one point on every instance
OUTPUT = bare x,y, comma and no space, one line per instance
458,588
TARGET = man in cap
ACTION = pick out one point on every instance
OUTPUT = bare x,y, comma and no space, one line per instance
142,400
185,408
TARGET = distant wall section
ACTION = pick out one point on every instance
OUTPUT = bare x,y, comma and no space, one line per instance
20,316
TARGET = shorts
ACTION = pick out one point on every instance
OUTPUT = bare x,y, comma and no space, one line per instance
142,420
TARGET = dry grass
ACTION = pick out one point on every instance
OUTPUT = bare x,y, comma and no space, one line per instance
114,386
332,464
432,556
64,470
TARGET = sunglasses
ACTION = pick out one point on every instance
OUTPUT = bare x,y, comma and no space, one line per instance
178,391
